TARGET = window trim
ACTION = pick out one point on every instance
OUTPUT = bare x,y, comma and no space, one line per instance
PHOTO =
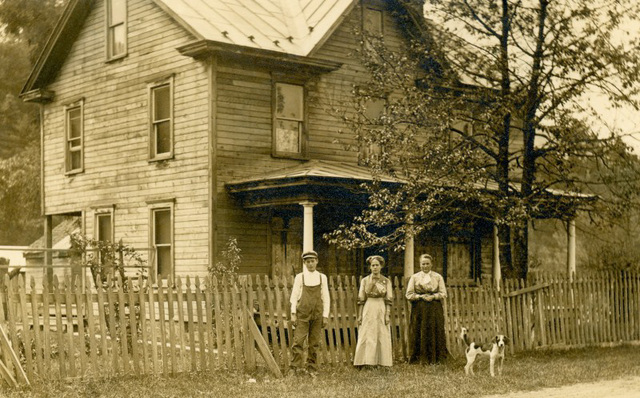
101,212
67,151
304,122
153,155
154,207
109,27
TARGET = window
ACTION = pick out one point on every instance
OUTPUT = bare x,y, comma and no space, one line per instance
116,28
161,129
104,232
74,158
374,107
104,226
288,131
372,21
162,242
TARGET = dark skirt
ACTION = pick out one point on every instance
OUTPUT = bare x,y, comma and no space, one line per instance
427,341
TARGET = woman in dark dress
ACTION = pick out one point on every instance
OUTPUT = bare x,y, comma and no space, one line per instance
425,291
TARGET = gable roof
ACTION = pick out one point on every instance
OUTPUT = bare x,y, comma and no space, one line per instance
290,27
295,27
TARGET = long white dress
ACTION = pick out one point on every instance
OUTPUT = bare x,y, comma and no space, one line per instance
374,337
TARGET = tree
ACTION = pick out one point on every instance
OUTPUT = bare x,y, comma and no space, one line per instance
26,25
497,119
30,21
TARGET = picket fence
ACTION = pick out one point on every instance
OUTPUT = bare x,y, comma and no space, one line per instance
69,329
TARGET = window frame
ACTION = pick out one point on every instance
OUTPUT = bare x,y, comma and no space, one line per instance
153,141
303,122
109,28
366,150
68,151
154,208
98,214
380,12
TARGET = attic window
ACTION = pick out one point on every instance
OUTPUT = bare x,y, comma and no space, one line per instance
116,28
372,21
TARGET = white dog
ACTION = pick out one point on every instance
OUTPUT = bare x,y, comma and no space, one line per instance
494,350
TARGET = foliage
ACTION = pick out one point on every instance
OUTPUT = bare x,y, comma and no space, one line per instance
105,259
230,262
20,197
30,21
107,262
484,113
25,27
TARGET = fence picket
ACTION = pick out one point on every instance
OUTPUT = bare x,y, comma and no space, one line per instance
151,316
88,302
36,328
202,323
190,326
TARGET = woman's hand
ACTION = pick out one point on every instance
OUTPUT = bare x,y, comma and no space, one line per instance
359,319
387,319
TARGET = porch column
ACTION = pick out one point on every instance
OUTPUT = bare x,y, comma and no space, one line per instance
497,272
571,248
409,248
408,256
307,236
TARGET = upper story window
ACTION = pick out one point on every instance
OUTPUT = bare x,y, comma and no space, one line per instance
161,123
116,28
289,137
373,109
372,21
74,137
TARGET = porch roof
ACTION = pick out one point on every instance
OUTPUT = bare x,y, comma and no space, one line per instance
316,180
326,181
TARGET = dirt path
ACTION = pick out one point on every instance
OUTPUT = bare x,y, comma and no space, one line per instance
622,388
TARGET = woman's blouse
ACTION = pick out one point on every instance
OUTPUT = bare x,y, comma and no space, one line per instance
371,287
426,283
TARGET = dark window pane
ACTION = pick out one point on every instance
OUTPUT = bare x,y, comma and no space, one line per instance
289,100
374,108
162,103
164,261
75,125
162,227
373,21
76,160
163,138
117,40
104,227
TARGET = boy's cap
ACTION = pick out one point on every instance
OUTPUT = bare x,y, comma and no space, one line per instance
309,254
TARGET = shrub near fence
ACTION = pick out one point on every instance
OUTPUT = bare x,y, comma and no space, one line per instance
68,329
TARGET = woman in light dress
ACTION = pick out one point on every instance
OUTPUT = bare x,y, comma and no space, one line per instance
374,310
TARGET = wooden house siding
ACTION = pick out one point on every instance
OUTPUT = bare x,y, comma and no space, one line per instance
244,135
116,134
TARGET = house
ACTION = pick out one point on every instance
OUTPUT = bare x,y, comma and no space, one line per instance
177,124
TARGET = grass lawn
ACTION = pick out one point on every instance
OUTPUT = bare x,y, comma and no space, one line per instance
525,371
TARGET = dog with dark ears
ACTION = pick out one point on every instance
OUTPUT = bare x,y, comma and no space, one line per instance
494,350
